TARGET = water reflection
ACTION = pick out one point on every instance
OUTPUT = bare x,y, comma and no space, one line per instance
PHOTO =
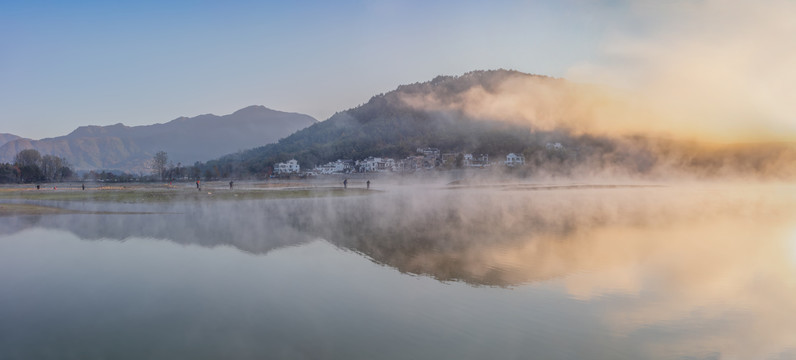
699,272
482,237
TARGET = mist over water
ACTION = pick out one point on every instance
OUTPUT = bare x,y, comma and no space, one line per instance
509,270
654,218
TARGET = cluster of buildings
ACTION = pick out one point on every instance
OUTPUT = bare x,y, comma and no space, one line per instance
289,167
426,159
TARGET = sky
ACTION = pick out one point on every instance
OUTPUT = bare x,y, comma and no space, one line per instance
68,64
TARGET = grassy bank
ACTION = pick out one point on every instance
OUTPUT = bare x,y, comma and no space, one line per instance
153,194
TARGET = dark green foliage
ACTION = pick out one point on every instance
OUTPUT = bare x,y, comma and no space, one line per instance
29,166
30,173
9,173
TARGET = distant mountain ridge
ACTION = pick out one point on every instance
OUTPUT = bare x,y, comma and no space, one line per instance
186,140
5,138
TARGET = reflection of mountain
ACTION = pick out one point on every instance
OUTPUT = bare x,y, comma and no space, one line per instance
482,237
202,225
441,238
655,271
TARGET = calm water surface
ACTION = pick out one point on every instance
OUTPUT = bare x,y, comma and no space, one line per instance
675,272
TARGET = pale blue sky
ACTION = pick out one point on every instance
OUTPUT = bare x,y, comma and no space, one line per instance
72,63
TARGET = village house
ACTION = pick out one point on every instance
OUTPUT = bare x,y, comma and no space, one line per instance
449,158
430,159
411,163
515,160
374,164
554,146
289,167
429,152
472,161
336,167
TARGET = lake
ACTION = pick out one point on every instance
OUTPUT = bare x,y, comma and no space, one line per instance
681,271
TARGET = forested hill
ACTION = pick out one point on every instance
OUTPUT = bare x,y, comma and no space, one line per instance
388,125
499,112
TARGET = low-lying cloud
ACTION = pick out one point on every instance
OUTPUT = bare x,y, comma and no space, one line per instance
708,71
716,70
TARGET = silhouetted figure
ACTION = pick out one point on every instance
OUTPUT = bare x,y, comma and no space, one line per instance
83,186
368,184
38,187
230,185
197,184
345,184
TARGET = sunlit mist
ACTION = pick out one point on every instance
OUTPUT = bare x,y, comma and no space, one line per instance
710,70
657,271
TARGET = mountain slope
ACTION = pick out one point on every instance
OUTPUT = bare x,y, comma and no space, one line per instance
388,125
186,140
562,129
5,138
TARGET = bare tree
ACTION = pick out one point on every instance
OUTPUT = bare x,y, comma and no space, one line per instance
158,164
51,166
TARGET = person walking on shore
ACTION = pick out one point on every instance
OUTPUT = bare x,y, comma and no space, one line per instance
345,184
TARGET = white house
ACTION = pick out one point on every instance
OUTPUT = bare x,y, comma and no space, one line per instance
411,163
554,146
468,160
372,164
480,161
386,164
429,152
515,159
289,167
339,166
367,165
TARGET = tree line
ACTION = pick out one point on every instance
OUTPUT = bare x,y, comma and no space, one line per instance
30,166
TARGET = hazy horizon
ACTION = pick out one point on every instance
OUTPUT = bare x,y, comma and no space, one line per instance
708,67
